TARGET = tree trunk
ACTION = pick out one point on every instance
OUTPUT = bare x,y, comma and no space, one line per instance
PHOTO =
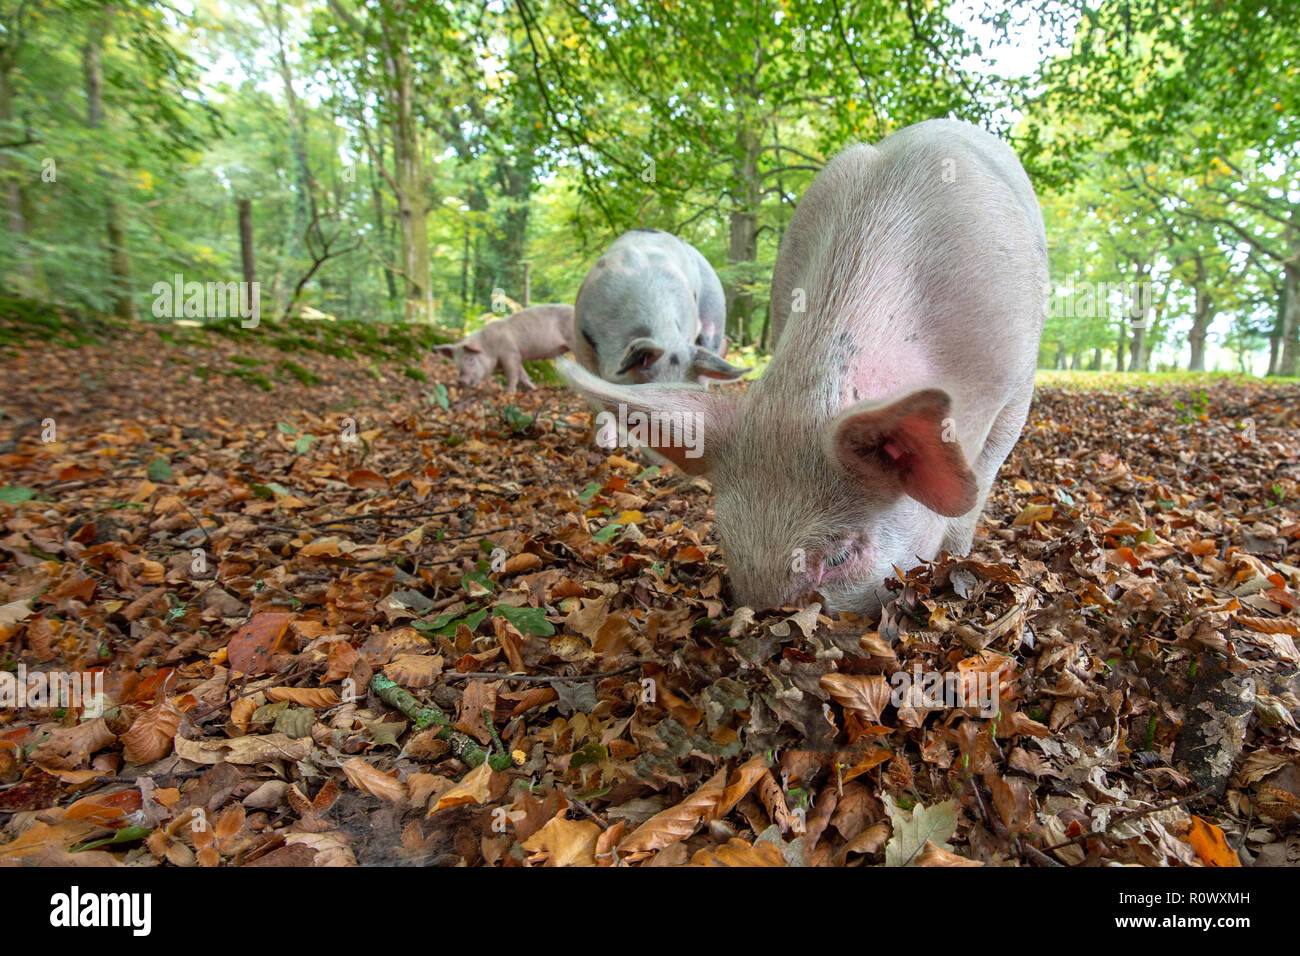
246,257
412,185
1095,364
304,207
1289,311
1120,344
376,154
742,248
1200,318
119,262
1137,348
484,272
28,273
464,280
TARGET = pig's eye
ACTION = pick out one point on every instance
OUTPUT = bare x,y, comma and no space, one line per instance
836,558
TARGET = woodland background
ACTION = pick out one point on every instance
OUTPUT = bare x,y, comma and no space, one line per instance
402,160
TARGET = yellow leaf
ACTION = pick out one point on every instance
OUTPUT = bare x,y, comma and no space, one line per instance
564,843
1034,513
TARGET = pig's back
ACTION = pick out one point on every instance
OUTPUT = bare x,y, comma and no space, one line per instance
539,331
922,261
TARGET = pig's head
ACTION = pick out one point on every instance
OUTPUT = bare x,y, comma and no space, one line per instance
639,326
645,361
472,364
810,497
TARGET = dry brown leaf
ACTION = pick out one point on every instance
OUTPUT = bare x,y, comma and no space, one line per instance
414,671
68,748
866,694
373,781
253,644
932,855
150,737
676,823
474,787
245,750
317,697
739,853
342,658
564,842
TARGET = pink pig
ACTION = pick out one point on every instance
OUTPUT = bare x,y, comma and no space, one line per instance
908,300
537,332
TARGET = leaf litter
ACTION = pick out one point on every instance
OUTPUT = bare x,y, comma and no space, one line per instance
362,618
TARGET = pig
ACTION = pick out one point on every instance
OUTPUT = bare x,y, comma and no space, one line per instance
908,300
652,310
537,332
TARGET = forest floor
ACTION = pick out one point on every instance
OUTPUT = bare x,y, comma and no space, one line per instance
322,583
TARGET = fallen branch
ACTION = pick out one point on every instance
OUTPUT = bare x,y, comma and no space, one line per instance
425,716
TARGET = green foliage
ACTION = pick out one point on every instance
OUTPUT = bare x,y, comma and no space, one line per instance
1162,139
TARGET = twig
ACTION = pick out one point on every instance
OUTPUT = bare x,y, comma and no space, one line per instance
1038,856
403,516
538,678
1126,817
587,810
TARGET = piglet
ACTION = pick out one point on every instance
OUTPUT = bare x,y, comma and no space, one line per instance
908,300
652,310
537,332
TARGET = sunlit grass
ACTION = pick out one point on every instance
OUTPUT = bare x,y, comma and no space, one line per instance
1119,381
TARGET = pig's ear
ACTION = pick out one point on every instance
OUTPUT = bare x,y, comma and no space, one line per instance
705,363
640,354
711,415
908,442
472,345
447,348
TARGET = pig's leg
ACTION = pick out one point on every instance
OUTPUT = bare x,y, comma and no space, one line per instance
515,373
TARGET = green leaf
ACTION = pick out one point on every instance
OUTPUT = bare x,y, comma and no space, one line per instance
124,835
269,491
530,620
13,494
591,753
303,444
648,473
440,396
589,492
480,578
286,428
517,420
606,534
160,469
444,625
935,824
